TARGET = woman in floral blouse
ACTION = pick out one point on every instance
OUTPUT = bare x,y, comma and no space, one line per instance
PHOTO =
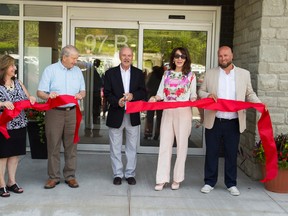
177,84
11,90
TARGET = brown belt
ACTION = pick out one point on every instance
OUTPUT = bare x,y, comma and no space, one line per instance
65,108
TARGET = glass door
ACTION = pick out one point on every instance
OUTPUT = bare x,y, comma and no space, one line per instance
158,40
99,44
152,44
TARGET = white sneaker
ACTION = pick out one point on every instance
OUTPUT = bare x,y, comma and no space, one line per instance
234,191
206,189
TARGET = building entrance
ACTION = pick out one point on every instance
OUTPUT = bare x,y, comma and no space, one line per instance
35,33
152,44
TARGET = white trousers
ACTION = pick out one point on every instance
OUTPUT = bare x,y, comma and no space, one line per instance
116,139
175,123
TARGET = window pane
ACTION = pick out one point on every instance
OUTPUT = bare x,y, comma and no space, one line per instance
9,9
102,44
9,37
158,45
42,45
105,44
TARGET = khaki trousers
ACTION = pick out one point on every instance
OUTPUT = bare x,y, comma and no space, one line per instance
60,127
175,123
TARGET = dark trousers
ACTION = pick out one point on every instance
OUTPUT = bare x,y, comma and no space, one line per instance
150,123
226,132
96,107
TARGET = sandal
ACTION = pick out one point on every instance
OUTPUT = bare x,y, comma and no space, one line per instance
175,185
159,187
4,192
15,188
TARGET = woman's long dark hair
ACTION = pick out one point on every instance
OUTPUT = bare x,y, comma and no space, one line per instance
5,62
187,65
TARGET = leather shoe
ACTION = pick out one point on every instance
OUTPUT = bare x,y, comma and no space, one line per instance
51,183
117,181
131,181
72,183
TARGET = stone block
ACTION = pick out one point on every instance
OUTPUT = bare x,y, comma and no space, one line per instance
248,11
260,94
283,85
256,6
278,22
275,94
240,3
273,7
284,76
267,33
278,68
267,82
264,42
263,67
274,53
282,33
251,126
278,42
266,22
276,109
251,168
277,118
283,102
254,35
281,129
269,101
256,24
253,67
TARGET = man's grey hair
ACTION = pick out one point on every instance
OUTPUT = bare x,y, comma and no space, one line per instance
125,47
67,50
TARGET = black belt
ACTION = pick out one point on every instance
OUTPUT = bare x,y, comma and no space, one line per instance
226,120
65,108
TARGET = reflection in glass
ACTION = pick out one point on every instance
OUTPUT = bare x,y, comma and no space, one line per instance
103,45
9,9
157,47
9,37
42,43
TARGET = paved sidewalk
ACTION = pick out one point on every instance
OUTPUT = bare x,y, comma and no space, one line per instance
98,196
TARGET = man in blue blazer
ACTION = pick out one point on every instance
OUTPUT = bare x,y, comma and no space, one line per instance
123,83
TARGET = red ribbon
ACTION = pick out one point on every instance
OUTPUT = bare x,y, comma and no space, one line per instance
8,115
264,123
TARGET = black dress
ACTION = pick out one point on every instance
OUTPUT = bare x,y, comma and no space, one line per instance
16,144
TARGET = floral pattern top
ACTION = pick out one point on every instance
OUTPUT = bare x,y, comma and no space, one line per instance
13,95
176,86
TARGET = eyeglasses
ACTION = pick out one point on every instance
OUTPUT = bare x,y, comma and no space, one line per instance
177,56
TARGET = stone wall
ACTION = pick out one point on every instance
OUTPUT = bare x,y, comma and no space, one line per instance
260,45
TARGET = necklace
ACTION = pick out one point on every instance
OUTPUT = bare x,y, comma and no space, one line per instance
10,87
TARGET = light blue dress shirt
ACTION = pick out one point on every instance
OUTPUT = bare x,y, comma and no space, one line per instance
63,81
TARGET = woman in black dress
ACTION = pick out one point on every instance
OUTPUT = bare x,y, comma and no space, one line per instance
11,90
